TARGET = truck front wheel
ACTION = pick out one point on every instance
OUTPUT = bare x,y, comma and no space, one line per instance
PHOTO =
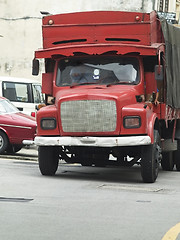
150,157
48,160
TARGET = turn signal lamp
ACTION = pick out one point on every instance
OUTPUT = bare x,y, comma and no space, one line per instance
39,106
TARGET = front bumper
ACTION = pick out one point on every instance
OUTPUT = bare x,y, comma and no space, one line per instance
93,141
28,142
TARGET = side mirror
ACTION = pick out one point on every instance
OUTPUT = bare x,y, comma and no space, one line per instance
35,67
159,73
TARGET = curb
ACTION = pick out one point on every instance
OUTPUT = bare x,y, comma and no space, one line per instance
20,157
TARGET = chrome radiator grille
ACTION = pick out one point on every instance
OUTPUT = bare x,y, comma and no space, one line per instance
88,116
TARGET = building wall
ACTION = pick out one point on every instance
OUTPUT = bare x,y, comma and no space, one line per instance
178,11
20,24
172,6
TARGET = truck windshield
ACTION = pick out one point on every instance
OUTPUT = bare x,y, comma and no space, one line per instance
98,70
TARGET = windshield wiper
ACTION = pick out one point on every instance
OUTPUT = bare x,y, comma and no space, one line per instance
118,83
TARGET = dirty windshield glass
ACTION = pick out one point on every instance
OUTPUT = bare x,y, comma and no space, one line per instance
98,70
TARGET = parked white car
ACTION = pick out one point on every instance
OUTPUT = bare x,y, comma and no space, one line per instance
24,93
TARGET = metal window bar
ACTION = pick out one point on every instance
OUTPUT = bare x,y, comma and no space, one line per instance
166,5
161,5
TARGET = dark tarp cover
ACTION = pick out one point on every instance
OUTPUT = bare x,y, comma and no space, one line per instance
172,44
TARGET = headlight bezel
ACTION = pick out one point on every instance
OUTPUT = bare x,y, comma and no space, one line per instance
51,126
131,125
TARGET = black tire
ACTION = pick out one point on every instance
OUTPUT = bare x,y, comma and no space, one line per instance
11,149
167,162
150,157
48,160
178,164
17,148
4,142
176,156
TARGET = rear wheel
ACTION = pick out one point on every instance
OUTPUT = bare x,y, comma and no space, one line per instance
167,161
176,155
178,164
151,155
48,160
4,142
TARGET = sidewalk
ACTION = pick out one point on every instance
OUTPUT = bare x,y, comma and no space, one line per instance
26,153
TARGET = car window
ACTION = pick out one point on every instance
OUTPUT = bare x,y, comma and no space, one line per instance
7,107
38,96
17,92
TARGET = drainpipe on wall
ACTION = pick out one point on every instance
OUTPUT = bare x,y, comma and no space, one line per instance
142,7
154,4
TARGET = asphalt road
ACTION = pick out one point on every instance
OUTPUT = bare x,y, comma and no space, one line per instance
83,203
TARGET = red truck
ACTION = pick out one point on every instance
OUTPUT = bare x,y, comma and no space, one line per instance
107,94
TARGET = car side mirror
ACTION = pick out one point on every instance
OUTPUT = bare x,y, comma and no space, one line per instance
159,73
35,67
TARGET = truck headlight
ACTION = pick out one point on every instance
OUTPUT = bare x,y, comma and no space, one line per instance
132,122
48,123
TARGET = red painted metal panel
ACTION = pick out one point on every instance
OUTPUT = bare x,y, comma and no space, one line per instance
47,83
131,33
98,49
94,33
96,17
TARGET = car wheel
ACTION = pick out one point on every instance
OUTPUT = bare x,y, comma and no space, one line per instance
151,155
11,149
17,148
48,160
3,142
167,162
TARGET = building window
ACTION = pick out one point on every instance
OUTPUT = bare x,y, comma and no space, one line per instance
166,7
163,5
